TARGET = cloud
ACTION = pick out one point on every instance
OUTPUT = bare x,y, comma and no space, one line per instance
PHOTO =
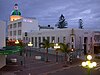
48,11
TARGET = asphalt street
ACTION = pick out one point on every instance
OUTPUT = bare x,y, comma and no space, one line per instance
32,66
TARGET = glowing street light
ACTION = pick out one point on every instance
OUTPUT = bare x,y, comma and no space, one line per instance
88,64
30,44
16,42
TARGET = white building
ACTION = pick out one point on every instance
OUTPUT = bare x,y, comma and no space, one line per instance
76,38
19,24
2,42
2,33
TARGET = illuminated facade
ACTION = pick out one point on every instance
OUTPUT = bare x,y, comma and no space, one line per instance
19,24
15,14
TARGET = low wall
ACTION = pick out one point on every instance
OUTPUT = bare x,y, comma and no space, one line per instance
2,60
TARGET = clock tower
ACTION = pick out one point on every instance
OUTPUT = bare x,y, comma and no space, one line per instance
15,14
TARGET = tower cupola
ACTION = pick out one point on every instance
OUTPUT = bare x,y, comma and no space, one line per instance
15,14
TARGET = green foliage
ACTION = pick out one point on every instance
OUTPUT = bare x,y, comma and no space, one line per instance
46,44
63,48
62,23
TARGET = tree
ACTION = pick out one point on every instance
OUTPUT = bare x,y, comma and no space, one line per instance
80,23
64,49
61,23
45,44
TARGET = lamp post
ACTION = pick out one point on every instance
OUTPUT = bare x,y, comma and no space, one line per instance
30,45
89,64
56,46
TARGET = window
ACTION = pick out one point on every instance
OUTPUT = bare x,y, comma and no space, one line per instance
72,46
19,32
97,38
53,39
10,26
19,38
58,39
32,40
19,24
48,38
14,25
43,38
24,38
72,39
35,41
39,39
14,32
10,33
64,39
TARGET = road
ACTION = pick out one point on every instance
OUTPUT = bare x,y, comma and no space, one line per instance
40,67
76,70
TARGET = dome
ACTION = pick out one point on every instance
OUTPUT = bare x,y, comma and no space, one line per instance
16,12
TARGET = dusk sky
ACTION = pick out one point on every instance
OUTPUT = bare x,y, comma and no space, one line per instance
49,11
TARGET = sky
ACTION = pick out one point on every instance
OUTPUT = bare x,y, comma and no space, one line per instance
47,12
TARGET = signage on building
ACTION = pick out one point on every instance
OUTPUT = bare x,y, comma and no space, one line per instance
27,20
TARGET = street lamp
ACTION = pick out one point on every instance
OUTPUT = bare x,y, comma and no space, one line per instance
56,46
88,64
16,42
30,45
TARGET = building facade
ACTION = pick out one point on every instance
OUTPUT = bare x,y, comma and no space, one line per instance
82,39
2,42
18,24
2,33
96,42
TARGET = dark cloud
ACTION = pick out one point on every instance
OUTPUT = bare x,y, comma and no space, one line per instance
48,11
